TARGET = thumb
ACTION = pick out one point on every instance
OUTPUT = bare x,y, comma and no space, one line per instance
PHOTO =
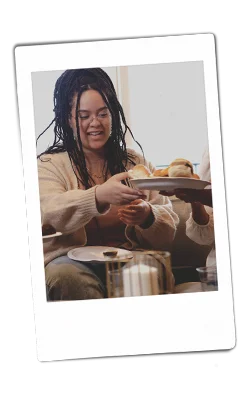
121,177
136,202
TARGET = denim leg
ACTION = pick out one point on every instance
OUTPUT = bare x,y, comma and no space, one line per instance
68,279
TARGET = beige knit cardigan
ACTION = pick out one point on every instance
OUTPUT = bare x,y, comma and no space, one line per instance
68,209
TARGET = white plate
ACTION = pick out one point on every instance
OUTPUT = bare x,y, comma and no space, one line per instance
161,183
95,253
52,236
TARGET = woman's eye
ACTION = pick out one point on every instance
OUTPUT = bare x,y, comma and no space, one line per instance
101,115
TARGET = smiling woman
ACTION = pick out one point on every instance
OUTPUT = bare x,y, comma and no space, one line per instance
83,181
94,121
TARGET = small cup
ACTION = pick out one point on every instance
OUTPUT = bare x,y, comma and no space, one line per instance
116,283
208,278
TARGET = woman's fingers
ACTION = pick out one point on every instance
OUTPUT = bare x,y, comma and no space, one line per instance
121,176
127,213
138,201
137,209
128,190
131,217
129,197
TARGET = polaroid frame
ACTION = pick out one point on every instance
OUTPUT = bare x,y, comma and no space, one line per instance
134,325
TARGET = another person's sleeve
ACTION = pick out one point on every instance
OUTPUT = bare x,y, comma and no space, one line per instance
201,234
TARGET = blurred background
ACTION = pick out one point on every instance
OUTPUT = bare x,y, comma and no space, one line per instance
159,101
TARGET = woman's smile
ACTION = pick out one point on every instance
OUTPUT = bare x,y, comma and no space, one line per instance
94,121
96,133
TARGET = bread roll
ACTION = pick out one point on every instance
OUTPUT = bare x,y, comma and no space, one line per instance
178,168
181,168
139,171
160,172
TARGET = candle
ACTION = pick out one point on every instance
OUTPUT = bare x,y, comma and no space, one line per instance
140,280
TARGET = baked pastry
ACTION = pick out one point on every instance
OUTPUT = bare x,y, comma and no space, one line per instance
48,230
182,168
161,172
178,168
139,171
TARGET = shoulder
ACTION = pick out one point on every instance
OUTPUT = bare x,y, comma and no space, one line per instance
132,154
136,157
57,164
139,159
56,159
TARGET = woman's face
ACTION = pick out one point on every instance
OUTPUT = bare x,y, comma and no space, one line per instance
94,120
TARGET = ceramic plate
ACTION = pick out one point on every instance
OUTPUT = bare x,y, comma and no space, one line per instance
95,253
52,236
161,183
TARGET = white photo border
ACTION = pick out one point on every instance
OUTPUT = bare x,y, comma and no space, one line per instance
139,325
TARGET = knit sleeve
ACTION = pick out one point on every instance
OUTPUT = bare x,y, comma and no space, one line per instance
66,210
201,234
161,233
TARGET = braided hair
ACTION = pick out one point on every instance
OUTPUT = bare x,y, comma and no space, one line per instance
73,82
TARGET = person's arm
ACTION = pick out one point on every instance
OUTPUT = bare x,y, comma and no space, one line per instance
160,234
199,214
203,196
66,210
158,230
200,225
201,233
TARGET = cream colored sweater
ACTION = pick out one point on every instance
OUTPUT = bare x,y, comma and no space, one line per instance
204,234
68,209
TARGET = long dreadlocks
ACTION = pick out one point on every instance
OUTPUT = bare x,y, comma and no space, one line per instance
73,82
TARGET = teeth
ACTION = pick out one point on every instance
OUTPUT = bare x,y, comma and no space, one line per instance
95,133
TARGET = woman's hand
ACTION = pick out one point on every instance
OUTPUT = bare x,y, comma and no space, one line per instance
198,199
203,196
114,192
138,212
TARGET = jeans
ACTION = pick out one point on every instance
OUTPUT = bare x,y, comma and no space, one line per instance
68,279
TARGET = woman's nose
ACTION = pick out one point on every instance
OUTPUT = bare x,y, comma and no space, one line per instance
95,121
